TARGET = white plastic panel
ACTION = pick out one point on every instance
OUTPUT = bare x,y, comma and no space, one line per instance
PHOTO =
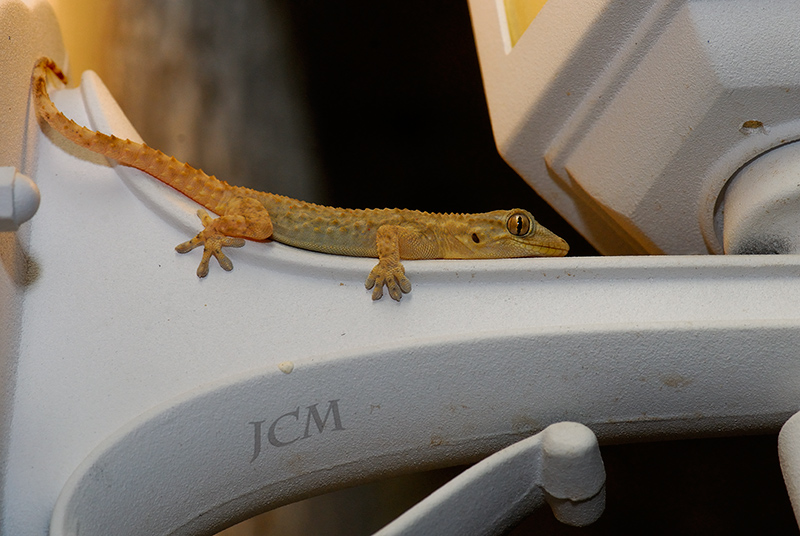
627,116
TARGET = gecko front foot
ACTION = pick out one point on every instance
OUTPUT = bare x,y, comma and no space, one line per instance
212,241
393,275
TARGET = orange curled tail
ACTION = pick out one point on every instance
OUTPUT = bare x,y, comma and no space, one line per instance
45,64
194,183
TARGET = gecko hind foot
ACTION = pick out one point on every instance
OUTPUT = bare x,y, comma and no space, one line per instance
393,276
213,242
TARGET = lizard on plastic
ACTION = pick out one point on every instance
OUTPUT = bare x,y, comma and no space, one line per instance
388,234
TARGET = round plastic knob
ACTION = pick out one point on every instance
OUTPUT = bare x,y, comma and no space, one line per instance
19,199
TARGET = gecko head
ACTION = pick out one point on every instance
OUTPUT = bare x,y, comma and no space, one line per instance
510,233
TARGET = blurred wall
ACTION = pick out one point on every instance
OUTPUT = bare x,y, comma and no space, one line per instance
213,83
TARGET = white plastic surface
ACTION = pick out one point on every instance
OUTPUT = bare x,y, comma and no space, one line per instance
560,465
19,199
760,212
628,116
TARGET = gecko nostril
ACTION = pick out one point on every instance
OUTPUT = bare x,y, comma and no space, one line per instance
475,238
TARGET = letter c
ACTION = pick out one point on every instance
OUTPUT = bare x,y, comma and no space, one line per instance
274,441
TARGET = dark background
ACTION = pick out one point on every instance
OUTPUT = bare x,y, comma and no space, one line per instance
399,112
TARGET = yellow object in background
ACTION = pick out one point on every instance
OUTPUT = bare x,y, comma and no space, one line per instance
519,15
87,29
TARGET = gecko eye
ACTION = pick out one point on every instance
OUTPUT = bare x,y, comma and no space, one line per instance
519,224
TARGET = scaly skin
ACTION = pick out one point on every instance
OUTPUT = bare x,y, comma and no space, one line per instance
388,234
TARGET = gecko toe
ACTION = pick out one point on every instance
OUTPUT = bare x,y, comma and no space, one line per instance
231,242
189,245
377,292
202,268
398,286
405,284
395,293
394,288
224,262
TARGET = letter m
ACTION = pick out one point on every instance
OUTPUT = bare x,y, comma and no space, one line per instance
333,409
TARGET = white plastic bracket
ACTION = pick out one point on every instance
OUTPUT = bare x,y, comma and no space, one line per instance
561,465
286,396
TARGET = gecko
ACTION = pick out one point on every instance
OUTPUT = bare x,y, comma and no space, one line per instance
243,213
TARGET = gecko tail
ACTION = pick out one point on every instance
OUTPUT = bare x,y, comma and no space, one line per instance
192,182
43,66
